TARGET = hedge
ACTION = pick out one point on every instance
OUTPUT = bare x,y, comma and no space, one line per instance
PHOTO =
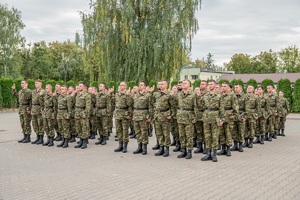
196,83
252,82
17,82
1,98
153,83
31,84
238,81
52,83
296,96
174,82
6,92
267,82
131,84
284,85
70,83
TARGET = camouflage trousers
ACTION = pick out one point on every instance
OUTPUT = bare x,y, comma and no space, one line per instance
49,127
93,123
37,124
122,126
110,122
211,135
271,124
282,122
260,128
199,131
225,135
73,126
250,128
64,127
186,135
82,127
238,133
25,120
141,131
277,123
103,125
162,130
174,129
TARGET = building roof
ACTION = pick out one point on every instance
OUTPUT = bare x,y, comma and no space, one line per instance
260,77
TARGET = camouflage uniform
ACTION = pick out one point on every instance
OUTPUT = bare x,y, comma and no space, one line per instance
273,104
284,112
82,107
110,118
36,111
72,119
55,97
103,113
48,115
64,111
261,122
239,134
199,122
174,124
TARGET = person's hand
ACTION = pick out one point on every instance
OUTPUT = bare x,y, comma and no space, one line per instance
220,123
193,121
128,91
169,117
231,117
148,120
151,89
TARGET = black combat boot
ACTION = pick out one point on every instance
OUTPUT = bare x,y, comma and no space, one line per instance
274,135
120,148
66,143
199,148
214,156
92,135
139,149
235,146
73,139
219,145
250,145
41,140
62,143
104,140
257,140
27,139
125,147
144,149
24,137
262,139
228,152
58,137
84,143
246,143
270,137
160,151
241,147
189,154
47,142
173,142
223,150
183,153
204,149
177,148
282,133
194,142
79,144
157,146
167,152
100,139
133,134
207,156
37,139
150,131
51,142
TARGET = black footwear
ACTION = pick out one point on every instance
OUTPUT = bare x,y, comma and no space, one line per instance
100,139
241,147
92,135
189,154
104,140
139,149
250,145
150,131
199,148
41,140
125,147
194,142
24,137
270,137
37,139
235,146
257,140
156,147
47,142
223,150
79,144
84,143
177,148
58,137
73,139
274,135
166,153
219,145
173,142
182,154
262,139
228,152
144,149
51,142
66,143
133,134
214,156
160,151
204,149
27,139
62,143
120,148
282,133
207,156
246,143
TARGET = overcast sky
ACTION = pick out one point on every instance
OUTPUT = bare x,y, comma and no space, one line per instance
226,26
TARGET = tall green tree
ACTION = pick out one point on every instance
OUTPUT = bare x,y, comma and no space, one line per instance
289,59
265,62
240,63
285,86
296,96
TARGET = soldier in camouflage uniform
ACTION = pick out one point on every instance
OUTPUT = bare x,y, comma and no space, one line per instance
81,115
163,113
186,118
36,112
103,112
263,116
174,124
123,115
253,111
64,112
213,119
238,134
24,99
132,133
156,147
285,111
142,115
48,116
273,107
231,116
72,96
56,95
277,116
93,118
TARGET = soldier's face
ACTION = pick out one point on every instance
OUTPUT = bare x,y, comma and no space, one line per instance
203,86
122,86
48,89
260,91
269,89
38,85
24,84
159,85
250,89
57,88
211,86
70,90
101,87
164,85
225,87
142,86
90,90
281,94
174,88
63,90
185,85
238,89
81,87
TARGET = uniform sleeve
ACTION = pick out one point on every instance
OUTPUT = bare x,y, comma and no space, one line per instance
109,104
235,106
129,102
173,105
221,110
150,107
258,107
88,105
70,105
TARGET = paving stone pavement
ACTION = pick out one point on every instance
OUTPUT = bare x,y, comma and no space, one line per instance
270,171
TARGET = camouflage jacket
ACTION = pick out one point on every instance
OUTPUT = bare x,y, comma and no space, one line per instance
48,106
103,104
82,105
37,101
200,106
24,98
285,106
214,108
123,106
241,99
231,106
263,107
186,107
64,107
93,111
142,106
163,105
252,106
273,104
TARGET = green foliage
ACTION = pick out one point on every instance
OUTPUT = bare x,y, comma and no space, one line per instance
44,84
223,81
267,82
174,82
70,83
285,86
113,84
196,83
153,83
52,83
131,84
61,82
296,96
18,83
1,98
253,82
31,84
238,81
6,84
94,84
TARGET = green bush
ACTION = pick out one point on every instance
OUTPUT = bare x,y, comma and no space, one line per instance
113,84
174,82
1,98
296,96
70,83
17,82
223,81
238,81
252,82
52,83
196,83
61,82
31,84
131,84
94,84
7,97
153,83
267,82
285,86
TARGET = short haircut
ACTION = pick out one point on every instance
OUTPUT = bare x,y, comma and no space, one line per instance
38,80
260,87
25,81
83,83
64,86
145,83
212,81
188,81
49,85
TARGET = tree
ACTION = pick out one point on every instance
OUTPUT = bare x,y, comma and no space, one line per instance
265,62
240,63
198,63
285,86
289,59
10,39
266,82
196,83
296,96
209,62
237,81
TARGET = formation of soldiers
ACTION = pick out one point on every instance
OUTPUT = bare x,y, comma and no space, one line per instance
211,117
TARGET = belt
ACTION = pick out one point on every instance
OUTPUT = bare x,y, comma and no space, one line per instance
262,107
48,106
228,108
101,107
272,106
252,108
215,109
162,110
80,107
201,110
36,104
62,108
140,108
27,104
187,109
122,108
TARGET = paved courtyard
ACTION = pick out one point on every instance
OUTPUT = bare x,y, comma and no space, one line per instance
270,171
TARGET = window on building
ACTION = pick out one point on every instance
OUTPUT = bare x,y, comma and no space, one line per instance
194,77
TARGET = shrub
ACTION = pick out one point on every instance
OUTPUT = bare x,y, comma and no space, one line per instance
6,92
284,85
253,82
296,96
267,82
